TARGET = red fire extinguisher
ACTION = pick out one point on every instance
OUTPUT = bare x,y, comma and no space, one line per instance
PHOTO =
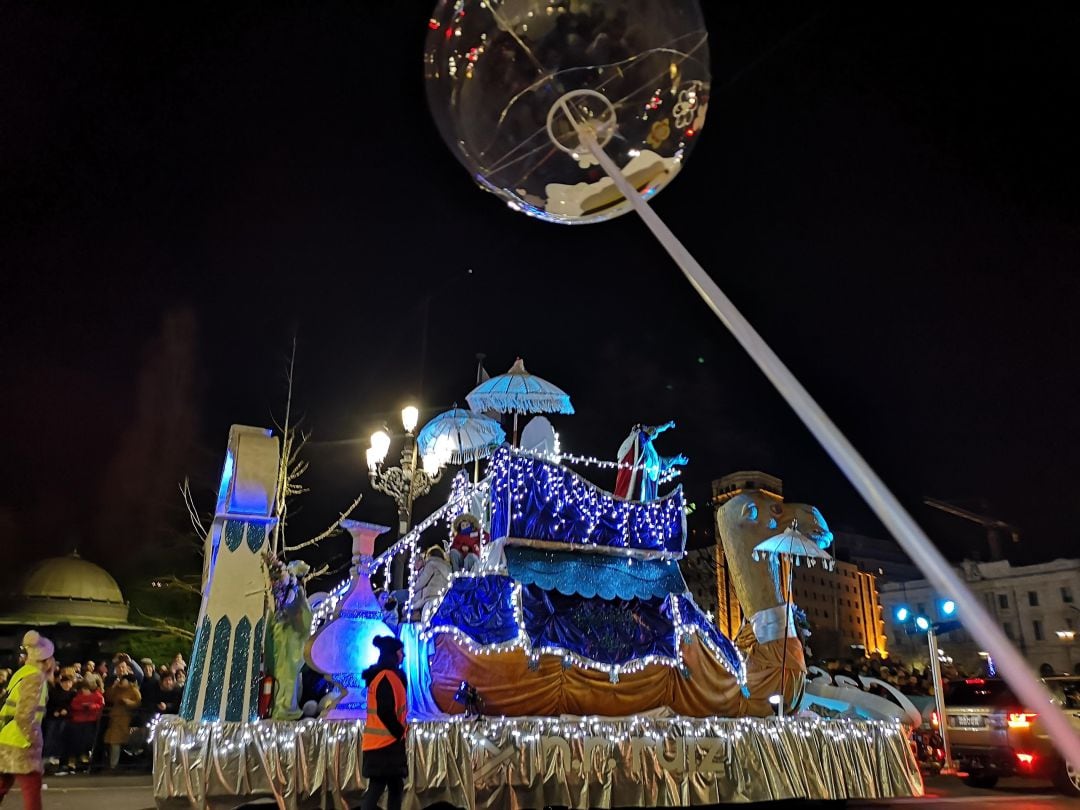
267,687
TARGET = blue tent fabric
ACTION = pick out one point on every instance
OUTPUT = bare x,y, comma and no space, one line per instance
590,575
552,503
480,607
608,631
691,614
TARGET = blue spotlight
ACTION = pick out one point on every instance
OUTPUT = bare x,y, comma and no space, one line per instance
922,623
948,607
902,614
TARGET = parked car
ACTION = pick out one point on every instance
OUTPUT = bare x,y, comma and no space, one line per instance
993,735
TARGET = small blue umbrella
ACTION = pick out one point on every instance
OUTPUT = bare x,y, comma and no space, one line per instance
796,547
471,435
518,391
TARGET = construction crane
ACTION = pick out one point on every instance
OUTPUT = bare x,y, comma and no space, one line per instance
995,528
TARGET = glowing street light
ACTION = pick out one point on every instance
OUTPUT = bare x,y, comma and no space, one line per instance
948,607
409,417
922,623
902,614
412,479
380,446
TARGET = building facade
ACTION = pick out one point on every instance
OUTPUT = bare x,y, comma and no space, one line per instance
1038,607
842,605
882,558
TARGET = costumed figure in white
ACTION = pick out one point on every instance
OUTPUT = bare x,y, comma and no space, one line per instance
640,466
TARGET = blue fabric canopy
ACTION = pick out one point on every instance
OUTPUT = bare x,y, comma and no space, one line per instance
536,499
589,575
691,614
480,607
614,631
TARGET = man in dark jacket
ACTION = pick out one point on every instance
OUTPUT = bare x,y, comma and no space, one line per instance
385,758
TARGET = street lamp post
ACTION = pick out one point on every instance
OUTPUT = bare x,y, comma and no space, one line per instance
923,625
404,483
939,698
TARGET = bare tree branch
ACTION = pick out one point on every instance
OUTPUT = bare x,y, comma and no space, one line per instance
192,510
318,573
173,581
288,433
163,625
332,529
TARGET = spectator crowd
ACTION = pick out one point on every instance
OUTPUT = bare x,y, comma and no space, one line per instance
98,710
907,679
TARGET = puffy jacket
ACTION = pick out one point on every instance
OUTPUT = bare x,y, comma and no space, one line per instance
86,707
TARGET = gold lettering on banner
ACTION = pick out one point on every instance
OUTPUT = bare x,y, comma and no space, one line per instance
675,762
487,769
714,754
548,748
627,760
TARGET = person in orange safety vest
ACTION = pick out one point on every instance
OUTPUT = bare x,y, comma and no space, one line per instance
385,758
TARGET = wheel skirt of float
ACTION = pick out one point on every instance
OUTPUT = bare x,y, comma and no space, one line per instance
540,762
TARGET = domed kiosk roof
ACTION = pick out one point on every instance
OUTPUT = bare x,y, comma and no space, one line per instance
70,591
70,577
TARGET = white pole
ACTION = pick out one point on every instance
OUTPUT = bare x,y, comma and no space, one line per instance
873,490
939,699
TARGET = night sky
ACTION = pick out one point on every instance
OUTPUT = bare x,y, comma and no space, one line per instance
888,193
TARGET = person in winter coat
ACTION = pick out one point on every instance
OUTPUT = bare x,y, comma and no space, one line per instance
123,699
385,757
467,544
83,718
20,721
166,697
431,579
54,727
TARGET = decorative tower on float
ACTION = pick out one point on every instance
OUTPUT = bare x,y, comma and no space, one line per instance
227,653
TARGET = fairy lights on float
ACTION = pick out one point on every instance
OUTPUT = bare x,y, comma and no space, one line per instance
685,632
209,742
569,500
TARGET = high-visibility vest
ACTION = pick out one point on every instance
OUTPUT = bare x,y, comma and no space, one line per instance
10,733
376,734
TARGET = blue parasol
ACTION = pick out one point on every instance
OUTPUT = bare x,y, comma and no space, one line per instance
471,435
518,391
795,546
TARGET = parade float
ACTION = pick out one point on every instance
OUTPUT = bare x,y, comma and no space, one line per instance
554,653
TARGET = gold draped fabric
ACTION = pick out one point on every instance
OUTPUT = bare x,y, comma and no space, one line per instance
510,688
539,762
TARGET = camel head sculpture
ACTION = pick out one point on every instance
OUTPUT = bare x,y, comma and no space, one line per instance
746,520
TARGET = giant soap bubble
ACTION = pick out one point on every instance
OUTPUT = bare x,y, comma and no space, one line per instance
503,74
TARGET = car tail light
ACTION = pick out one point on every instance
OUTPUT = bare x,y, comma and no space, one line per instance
935,721
1025,759
975,681
1021,719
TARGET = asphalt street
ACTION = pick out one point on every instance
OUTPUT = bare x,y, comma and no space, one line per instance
135,793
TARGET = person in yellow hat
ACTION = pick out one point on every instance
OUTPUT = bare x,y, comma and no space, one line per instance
20,721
